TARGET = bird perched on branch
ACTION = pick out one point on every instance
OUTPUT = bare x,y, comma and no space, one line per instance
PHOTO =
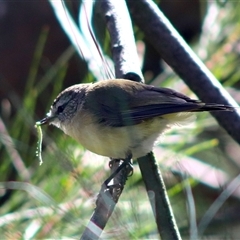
118,118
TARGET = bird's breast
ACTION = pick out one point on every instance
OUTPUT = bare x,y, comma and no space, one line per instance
115,142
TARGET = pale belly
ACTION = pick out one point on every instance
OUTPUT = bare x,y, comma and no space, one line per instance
117,142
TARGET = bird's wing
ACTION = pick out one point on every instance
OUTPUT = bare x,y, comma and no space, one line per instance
124,103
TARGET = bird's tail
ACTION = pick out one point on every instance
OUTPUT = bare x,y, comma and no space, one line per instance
213,107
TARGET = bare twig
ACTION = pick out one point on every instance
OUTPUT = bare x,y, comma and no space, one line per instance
125,59
158,198
106,202
125,56
124,50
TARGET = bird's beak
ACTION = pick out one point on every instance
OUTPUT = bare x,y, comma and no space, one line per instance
45,120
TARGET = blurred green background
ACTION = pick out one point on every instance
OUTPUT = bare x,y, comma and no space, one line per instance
56,199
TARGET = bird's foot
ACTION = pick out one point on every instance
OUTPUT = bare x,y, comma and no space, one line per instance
125,168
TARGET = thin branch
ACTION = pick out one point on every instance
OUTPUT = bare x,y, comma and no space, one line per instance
123,45
184,61
157,195
105,204
126,59
114,11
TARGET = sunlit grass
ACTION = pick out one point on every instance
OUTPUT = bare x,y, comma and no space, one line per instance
58,197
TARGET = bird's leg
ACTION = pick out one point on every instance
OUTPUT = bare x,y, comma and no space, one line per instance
126,164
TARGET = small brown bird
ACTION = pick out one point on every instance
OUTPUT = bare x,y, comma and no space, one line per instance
118,118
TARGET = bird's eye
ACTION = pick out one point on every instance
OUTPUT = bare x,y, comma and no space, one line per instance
60,109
